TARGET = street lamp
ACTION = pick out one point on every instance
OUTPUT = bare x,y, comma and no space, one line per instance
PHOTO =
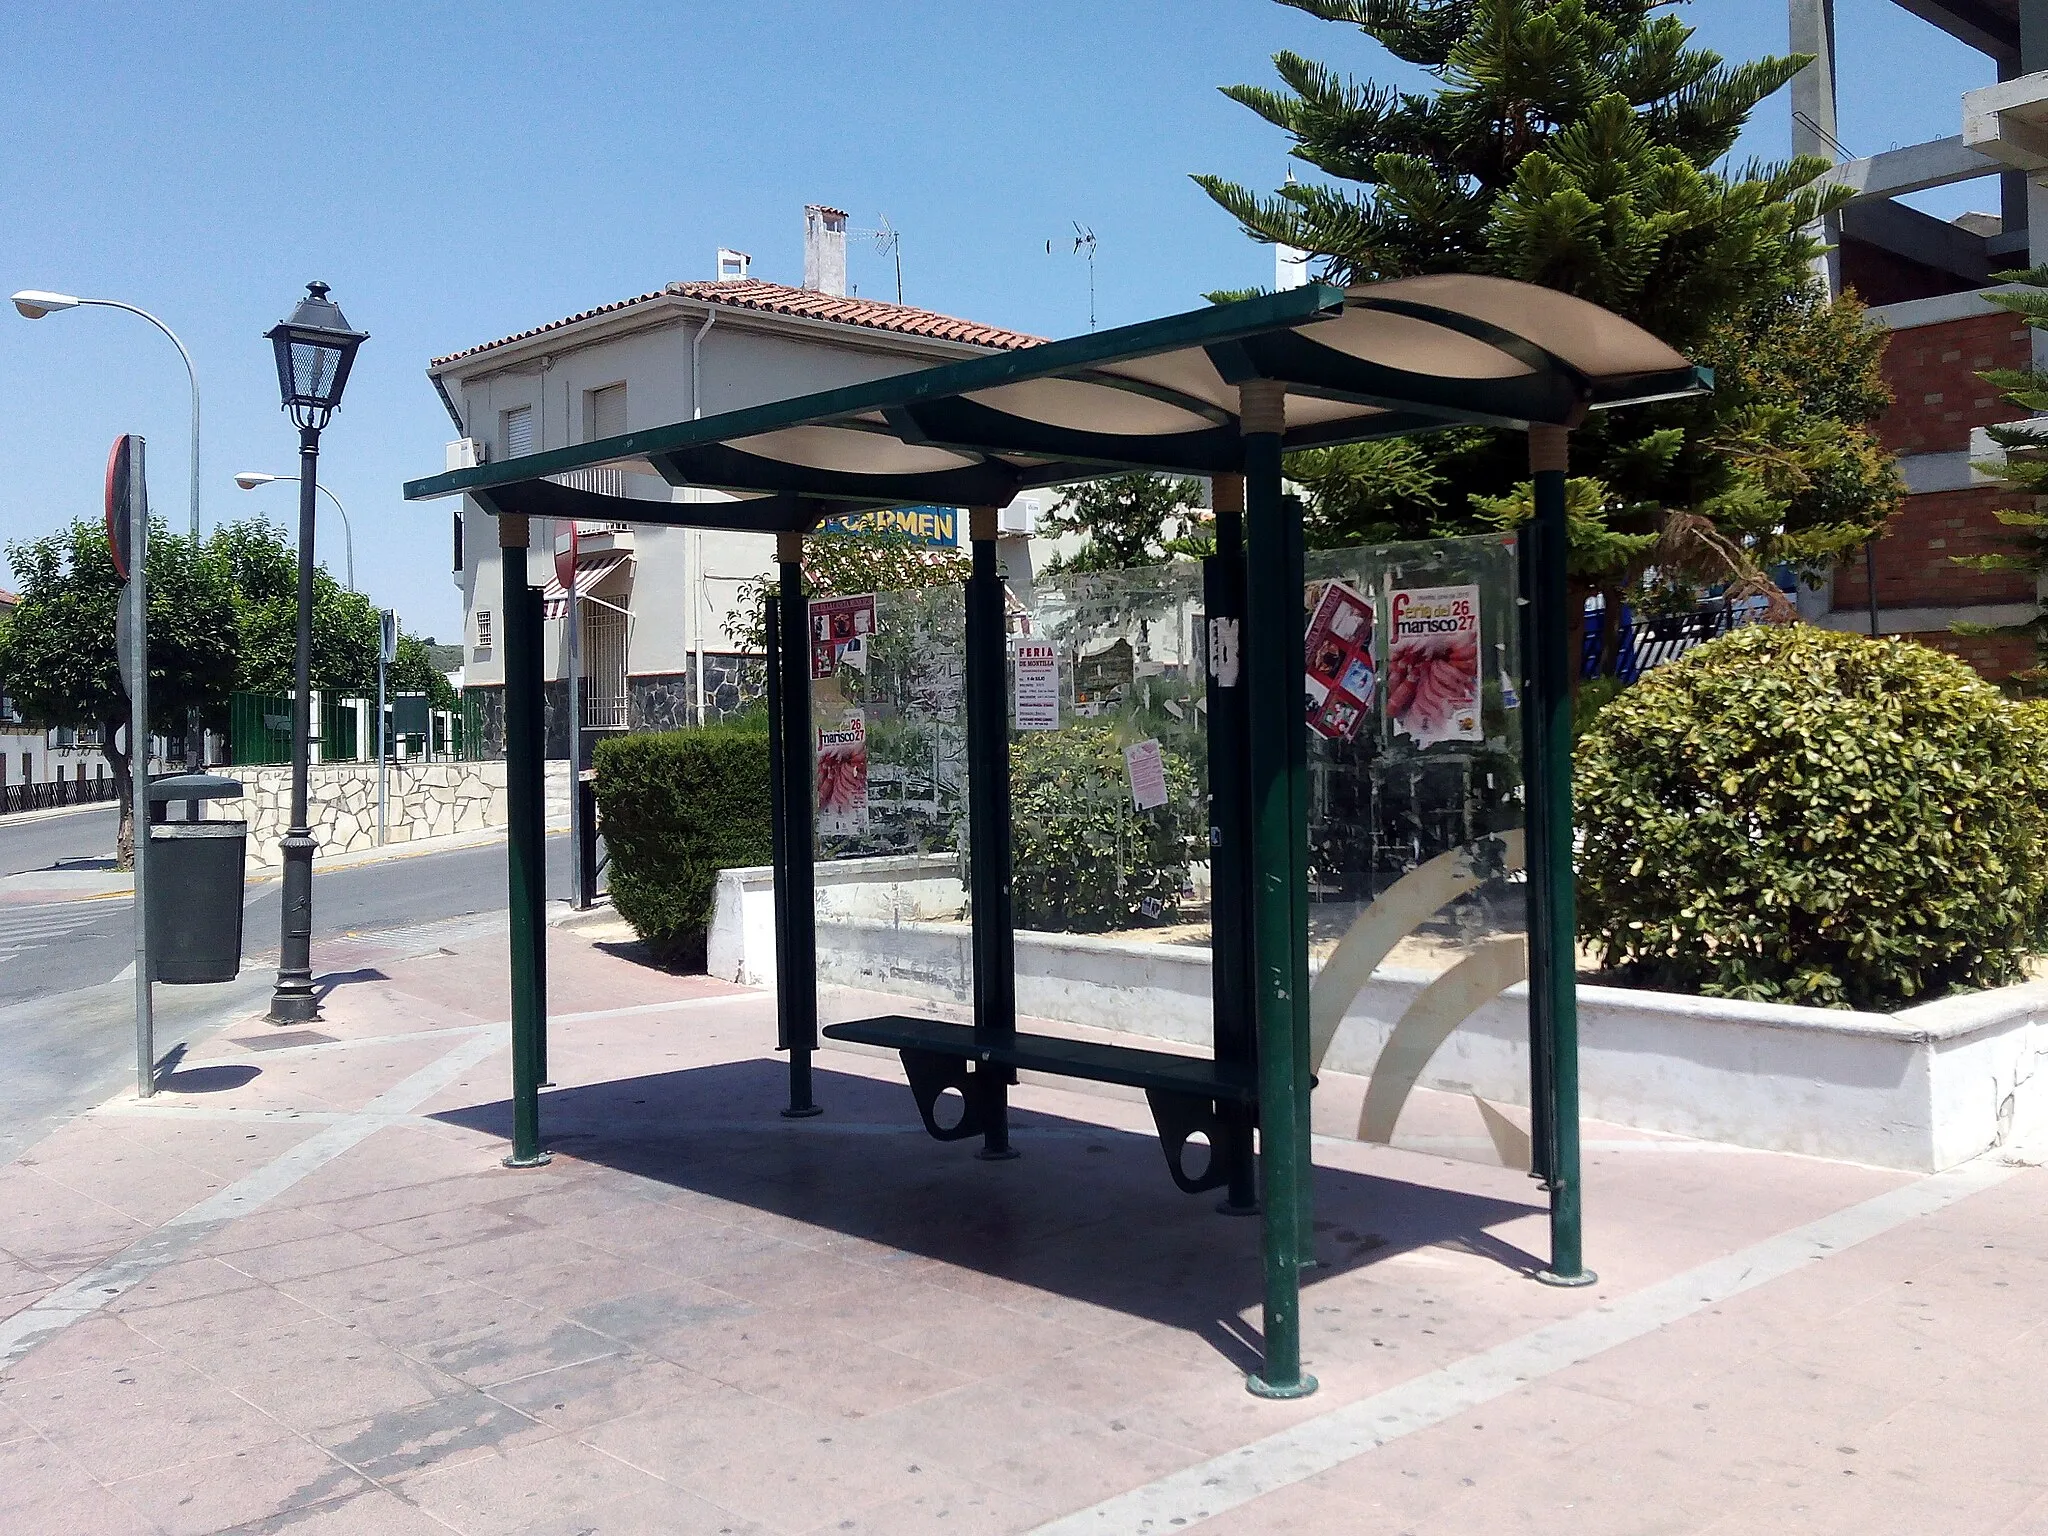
315,349
34,304
249,479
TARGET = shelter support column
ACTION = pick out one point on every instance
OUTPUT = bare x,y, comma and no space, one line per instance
796,972
525,848
988,806
1230,901
1278,759
1553,907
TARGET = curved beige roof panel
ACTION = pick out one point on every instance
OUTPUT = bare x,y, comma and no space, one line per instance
1412,355
1596,341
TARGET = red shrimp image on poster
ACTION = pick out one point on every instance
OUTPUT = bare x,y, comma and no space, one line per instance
1338,662
843,776
1433,674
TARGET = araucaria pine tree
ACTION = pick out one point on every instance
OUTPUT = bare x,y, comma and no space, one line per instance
1575,144
2025,463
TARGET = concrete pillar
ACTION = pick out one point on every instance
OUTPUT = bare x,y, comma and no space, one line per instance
1812,30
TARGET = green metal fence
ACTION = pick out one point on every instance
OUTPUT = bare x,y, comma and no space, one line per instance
260,729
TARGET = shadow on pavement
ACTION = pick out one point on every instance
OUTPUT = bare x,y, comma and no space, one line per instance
1086,1212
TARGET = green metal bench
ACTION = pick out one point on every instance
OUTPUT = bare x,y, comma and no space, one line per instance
1188,1094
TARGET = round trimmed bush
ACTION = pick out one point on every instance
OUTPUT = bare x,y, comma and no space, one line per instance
1796,815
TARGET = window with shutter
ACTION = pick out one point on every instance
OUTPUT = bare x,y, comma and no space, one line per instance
483,629
518,432
605,412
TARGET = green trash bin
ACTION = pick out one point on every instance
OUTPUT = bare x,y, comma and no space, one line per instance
195,884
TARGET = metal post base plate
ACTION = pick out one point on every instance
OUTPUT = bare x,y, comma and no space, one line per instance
538,1160
1225,1208
1552,1277
1258,1386
997,1154
803,1114
294,1007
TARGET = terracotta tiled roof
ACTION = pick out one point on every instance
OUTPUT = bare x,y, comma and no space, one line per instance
8,599
801,303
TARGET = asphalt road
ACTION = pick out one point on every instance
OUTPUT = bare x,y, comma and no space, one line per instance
67,991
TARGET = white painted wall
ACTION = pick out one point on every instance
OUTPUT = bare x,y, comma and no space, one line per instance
1925,1088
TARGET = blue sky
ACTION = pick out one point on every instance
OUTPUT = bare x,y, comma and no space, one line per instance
458,172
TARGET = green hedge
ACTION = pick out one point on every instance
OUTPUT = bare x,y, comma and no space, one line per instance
675,808
1083,860
1801,816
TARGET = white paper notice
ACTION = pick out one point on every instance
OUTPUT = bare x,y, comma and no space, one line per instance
1038,686
1147,771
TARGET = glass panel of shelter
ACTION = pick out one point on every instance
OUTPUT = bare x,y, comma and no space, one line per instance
1415,790
891,830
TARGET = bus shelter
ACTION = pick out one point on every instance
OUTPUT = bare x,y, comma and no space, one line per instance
1222,392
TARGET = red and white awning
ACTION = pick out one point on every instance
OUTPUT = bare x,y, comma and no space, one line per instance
591,573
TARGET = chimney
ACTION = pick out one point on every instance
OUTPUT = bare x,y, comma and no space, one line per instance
825,250
733,264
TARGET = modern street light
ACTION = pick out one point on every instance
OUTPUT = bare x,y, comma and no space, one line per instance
249,479
315,349
34,304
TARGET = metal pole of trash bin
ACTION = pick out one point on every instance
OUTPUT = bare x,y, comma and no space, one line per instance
387,652
135,663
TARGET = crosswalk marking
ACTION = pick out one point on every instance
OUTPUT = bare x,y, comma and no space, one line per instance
30,928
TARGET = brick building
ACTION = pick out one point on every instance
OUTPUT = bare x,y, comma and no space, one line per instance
1925,279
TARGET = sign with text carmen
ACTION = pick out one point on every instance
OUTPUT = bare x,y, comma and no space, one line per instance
938,527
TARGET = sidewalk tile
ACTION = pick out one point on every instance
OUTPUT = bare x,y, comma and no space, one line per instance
373,1513
223,1491
521,1486
662,1510
124,1421
185,1280
444,1431
1070,1467
309,1256
592,1392
99,1343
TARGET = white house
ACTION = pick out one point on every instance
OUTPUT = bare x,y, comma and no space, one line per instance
657,604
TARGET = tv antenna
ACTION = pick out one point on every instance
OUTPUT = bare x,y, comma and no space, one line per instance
1083,245
889,242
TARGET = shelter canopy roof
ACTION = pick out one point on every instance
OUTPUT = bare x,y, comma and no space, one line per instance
1386,359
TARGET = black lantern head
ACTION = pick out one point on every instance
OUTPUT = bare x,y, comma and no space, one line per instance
315,349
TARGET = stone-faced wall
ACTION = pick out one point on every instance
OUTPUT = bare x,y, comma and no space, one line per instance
422,800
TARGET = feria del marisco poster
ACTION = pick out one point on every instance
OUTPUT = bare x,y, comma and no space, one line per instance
1433,672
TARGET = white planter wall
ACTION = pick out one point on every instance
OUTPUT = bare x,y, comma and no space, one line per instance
1921,1089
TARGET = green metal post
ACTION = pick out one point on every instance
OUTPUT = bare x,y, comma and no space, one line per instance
537,831
1533,827
1233,1009
1554,907
525,857
1279,864
778,817
988,807
796,986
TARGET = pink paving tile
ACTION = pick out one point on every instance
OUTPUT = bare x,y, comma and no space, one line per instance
522,1486
941,1506
271,1484
309,1256
592,1392
444,1431
124,1421
100,1342
183,1281
438,1230
1066,1468
372,1513
664,1510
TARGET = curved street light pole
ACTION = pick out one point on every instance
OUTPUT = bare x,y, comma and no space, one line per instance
34,304
249,479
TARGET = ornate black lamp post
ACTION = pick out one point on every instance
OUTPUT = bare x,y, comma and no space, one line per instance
315,349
